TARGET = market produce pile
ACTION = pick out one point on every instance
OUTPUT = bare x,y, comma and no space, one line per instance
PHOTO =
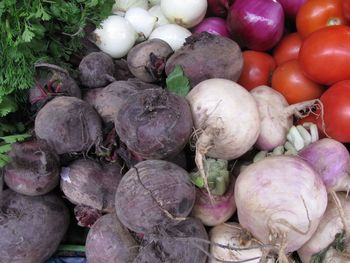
175,131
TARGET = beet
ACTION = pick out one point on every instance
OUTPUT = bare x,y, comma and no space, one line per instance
89,183
109,100
31,227
184,242
154,194
33,169
109,241
68,125
96,70
206,56
56,82
146,60
154,123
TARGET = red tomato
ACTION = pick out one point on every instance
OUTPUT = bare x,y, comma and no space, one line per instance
324,56
287,48
290,81
346,9
336,106
315,14
257,69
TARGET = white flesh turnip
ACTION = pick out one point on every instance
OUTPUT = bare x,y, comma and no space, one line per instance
230,242
331,234
276,116
226,118
280,200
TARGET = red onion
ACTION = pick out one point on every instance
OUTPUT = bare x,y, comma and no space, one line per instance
213,25
219,7
256,24
291,7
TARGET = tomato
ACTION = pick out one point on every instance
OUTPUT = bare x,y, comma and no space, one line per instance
257,69
346,9
336,107
287,49
325,55
290,81
315,14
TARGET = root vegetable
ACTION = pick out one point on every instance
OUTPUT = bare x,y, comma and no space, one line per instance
86,182
96,70
157,12
68,125
232,243
331,160
142,21
154,123
276,116
33,169
324,240
121,6
281,201
154,194
31,227
226,118
108,241
146,60
205,56
174,35
186,242
109,100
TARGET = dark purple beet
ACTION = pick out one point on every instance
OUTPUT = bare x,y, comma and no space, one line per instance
33,169
96,70
154,194
86,216
154,123
68,125
185,242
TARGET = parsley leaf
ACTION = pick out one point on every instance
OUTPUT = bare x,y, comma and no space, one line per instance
177,82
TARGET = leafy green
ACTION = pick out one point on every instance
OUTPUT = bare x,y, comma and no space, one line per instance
5,146
177,82
36,30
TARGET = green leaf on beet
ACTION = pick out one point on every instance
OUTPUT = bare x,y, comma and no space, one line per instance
177,82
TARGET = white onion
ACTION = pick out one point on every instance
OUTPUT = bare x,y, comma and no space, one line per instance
233,235
186,13
116,36
157,12
121,6
173,34
330,225
142,21
280,200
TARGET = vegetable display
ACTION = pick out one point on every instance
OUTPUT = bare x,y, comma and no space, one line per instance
194,131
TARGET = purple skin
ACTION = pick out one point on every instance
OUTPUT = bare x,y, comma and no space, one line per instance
212,214
257,25
213,25
331,160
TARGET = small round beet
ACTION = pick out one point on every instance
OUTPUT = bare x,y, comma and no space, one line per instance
33,169
147,60
154,123
96,70
154,194
89,183
108,241
68,125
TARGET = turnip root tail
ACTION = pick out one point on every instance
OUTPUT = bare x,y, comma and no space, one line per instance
340,210
51,66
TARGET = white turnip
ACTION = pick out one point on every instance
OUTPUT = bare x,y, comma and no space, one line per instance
276,116
281,201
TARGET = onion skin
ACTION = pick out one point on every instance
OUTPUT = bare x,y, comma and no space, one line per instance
256,24
276,193
331,160
212,25
219,7
217,212
291,7
329,226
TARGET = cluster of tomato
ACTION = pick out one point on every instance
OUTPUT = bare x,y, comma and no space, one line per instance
313,62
